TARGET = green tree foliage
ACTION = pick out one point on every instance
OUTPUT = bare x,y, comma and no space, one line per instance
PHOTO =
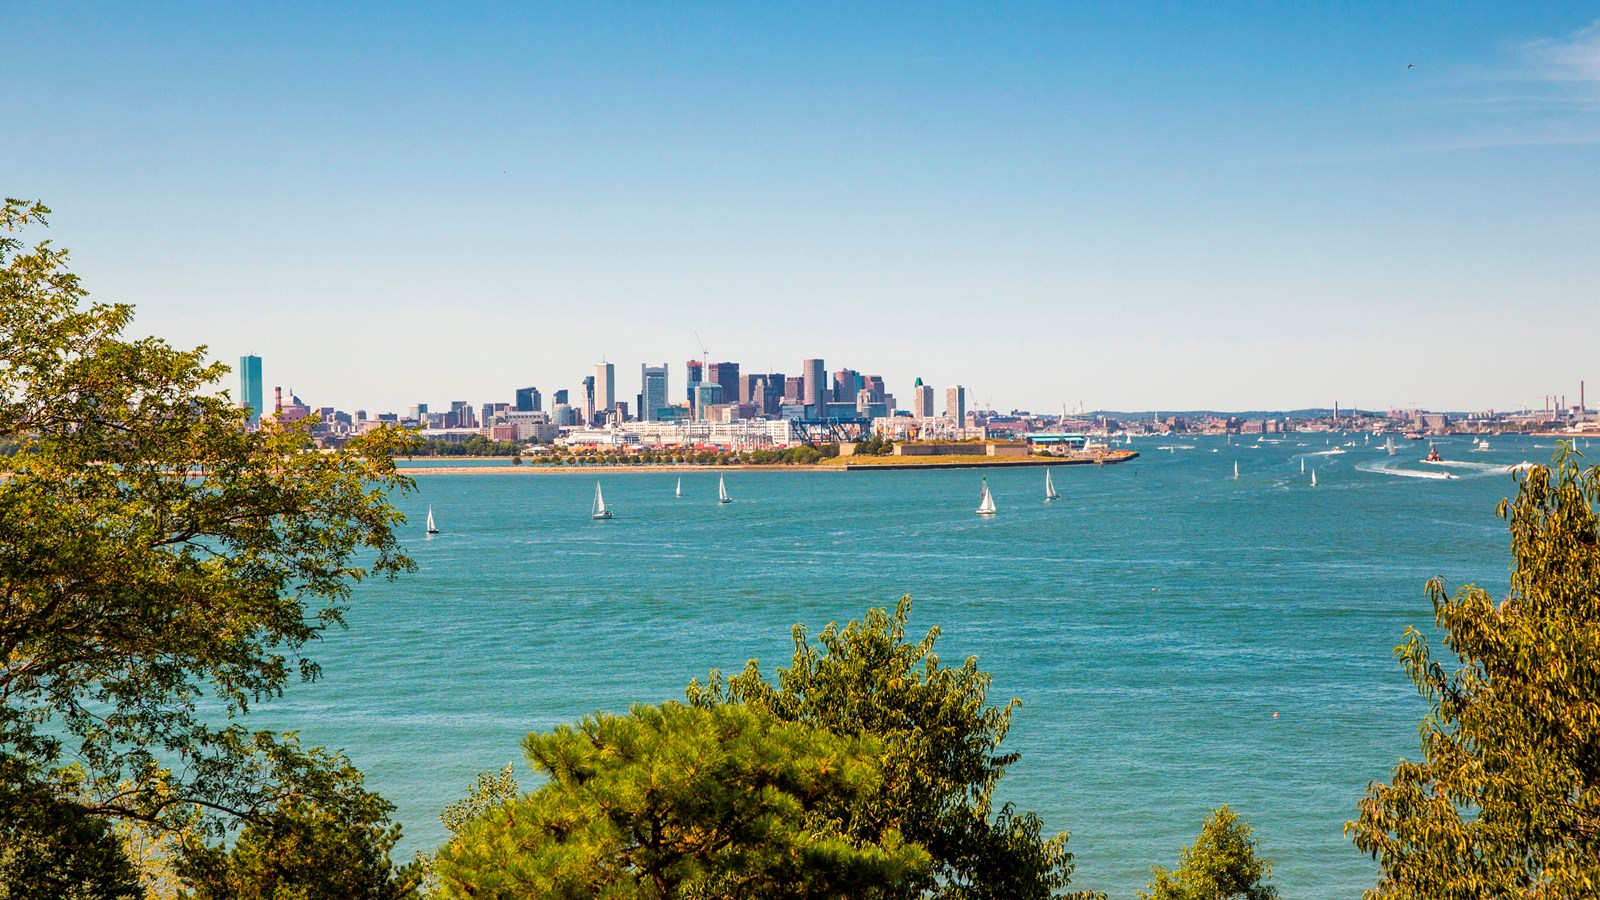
53,847
476,445
162,568
490,790
672,801
942,755
1222,865
1505,801
326,838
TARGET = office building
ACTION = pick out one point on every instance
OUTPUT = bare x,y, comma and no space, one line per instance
250,392
605,386
560,397
706,394
955,403
846,382
726,375
696,375
418,412
588,400
815,385
874,383
794,390
528,399
653,392
922,400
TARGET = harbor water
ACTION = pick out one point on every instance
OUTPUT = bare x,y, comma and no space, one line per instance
1179,638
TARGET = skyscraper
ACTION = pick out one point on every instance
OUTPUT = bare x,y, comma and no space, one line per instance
653,393
605,386
922,400
955,404
250,388
725,374
588,401
696,375
816,376
846,382
560,397
528,399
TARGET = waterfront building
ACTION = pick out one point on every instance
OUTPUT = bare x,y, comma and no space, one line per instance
815,384
653,392
250,392
527,399
955,403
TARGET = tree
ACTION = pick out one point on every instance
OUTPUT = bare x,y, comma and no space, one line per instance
326,838
1506,798
52,847
162,568
941,752
671,802
1222,865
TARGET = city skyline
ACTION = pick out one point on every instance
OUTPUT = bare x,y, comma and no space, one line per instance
1221,207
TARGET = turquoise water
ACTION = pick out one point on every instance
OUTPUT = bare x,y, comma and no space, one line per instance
1152,621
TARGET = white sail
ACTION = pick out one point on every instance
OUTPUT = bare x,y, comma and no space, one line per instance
432,529
1313,477
986,501
722,491
1236,471
1302,465
680,487
1050,487
600,511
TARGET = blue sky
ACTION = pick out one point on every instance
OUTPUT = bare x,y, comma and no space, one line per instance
1152,206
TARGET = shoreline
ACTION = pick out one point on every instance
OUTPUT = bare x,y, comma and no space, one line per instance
932,463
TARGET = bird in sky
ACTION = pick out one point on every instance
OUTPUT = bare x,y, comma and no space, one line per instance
1411,65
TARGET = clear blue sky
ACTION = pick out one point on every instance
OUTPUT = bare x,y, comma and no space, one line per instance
1157,206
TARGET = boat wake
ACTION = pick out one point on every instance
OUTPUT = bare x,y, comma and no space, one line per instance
1472,467
1390,467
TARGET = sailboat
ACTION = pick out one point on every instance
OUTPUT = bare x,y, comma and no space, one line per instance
432,528
1049,488
986,500
680,487
722,491
1390,445
600,511
1235,470
1313,477
1302,465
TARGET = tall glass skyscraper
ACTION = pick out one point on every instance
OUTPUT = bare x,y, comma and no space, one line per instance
250,387
653,393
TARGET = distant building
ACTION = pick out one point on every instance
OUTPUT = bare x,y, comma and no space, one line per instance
725,374
250,394
874,383
955,403
588,400
462,411
653,392
922,400
706,394
794,390
528,399
418,412
846,382
697,374
815,376
605,386
560,397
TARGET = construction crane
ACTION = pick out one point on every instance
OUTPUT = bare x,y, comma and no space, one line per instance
705,355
